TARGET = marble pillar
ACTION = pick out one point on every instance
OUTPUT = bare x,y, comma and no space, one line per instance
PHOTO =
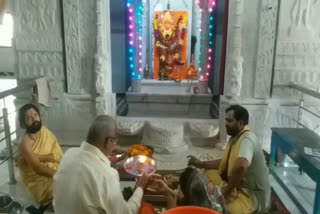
105,101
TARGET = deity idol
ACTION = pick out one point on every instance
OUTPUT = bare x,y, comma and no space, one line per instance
169,34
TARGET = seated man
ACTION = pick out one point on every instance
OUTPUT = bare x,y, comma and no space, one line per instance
86,183
38,156
242,172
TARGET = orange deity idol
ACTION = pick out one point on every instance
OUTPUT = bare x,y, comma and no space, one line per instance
170,45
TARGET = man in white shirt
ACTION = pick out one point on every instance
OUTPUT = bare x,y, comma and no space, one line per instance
86,183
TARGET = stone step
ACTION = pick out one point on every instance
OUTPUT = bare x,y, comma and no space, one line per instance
169,105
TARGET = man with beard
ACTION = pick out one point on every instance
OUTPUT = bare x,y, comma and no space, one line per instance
39,155
242,171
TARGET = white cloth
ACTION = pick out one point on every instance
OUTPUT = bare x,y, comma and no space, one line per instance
86,184
43,91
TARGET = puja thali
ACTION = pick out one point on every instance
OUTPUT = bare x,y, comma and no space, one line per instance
137,165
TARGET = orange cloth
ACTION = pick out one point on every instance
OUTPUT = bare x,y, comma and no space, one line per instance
146,208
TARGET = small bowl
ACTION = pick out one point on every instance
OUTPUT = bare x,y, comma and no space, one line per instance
16,208
117,157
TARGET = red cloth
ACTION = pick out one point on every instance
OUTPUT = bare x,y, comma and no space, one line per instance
146,208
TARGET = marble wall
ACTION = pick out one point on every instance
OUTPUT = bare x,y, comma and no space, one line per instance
7,60
80,83
38,41
254,45
298,48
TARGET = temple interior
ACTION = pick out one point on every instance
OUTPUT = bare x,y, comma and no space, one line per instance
166,71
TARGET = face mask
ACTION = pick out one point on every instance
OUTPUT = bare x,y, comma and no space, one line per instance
35,127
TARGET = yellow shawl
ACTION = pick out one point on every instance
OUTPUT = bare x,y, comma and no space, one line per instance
229,157
40,187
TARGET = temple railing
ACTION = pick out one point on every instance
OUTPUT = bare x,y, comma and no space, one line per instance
301,105
6,130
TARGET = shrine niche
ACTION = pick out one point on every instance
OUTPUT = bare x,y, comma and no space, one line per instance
170,44
165,37
175,57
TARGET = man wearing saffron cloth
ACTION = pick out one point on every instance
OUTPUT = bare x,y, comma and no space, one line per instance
242,172
38,156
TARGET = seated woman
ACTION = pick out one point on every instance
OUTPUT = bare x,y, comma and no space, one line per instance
38,156
195,191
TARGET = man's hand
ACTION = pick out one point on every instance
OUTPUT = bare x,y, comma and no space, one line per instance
211,188
172,199
47,158
121,170
228,195
193,161
143,181
160,185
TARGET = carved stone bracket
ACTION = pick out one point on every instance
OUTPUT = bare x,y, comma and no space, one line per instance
72,44
106,104
267,31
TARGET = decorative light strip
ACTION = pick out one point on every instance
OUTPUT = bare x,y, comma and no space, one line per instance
209,67
212,5
139,42
131,37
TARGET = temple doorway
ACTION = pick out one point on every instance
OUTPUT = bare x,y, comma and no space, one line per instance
174,53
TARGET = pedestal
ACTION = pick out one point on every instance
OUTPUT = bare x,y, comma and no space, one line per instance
203,87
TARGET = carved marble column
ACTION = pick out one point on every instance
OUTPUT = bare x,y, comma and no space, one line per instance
106,101
72,44
267,36
233,70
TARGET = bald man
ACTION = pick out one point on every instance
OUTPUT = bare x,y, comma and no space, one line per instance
86,184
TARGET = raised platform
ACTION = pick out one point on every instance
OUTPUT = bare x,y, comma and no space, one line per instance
172,138
169,99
